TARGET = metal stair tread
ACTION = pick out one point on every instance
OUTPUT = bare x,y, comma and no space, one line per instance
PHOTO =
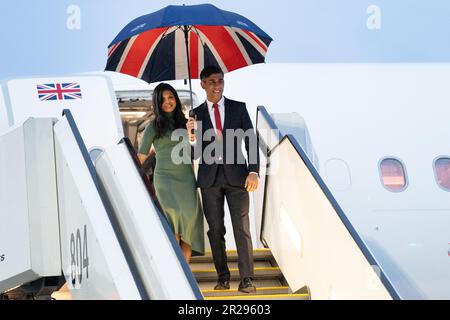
211,274
232,265
236,269
258,254
259,283
301,296
235,291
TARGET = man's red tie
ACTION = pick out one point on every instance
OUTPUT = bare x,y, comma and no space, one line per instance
218,120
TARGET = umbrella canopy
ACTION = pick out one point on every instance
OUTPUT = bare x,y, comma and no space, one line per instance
166,44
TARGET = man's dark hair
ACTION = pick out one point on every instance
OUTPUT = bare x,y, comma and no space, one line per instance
209,70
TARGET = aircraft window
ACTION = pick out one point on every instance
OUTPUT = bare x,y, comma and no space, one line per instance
442,172
393,174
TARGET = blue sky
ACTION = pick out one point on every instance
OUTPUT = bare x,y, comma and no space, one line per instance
37,41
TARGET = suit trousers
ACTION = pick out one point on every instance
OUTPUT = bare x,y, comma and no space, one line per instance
238,203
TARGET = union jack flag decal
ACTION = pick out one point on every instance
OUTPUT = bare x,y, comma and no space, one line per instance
59,91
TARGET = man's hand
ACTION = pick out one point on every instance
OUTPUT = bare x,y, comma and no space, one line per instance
191,125
251,183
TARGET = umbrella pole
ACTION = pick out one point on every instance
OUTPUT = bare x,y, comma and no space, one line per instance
186,40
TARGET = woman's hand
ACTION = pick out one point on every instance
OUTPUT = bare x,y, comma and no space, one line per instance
142,158
191,125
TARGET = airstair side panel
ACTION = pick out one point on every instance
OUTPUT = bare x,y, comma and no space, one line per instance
310,236
159,259
308,239
29,229
93,261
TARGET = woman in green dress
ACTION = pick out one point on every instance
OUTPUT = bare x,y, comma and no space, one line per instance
174,183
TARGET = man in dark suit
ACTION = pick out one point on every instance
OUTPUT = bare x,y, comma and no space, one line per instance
224,173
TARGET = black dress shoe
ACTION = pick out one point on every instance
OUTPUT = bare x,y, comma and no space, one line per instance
222,285
246,285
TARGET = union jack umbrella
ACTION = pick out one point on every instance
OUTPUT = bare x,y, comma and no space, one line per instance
176,42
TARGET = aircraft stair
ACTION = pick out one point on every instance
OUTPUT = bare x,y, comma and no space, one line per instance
100,207
269,281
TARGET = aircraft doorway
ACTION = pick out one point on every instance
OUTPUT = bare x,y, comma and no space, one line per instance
137,110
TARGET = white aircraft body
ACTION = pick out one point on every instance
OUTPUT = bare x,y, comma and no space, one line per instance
353,199
358,115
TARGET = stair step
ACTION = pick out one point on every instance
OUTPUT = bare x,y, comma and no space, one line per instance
263,297
236,292
268,279
259,283
259,273
258,255
231,265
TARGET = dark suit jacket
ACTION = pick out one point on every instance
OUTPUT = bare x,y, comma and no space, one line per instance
235,166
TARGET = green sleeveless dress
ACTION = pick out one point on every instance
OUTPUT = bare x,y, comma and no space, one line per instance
175,188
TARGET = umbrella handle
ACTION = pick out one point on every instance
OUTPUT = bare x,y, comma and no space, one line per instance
192,115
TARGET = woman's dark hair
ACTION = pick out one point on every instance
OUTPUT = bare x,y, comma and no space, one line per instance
161,122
